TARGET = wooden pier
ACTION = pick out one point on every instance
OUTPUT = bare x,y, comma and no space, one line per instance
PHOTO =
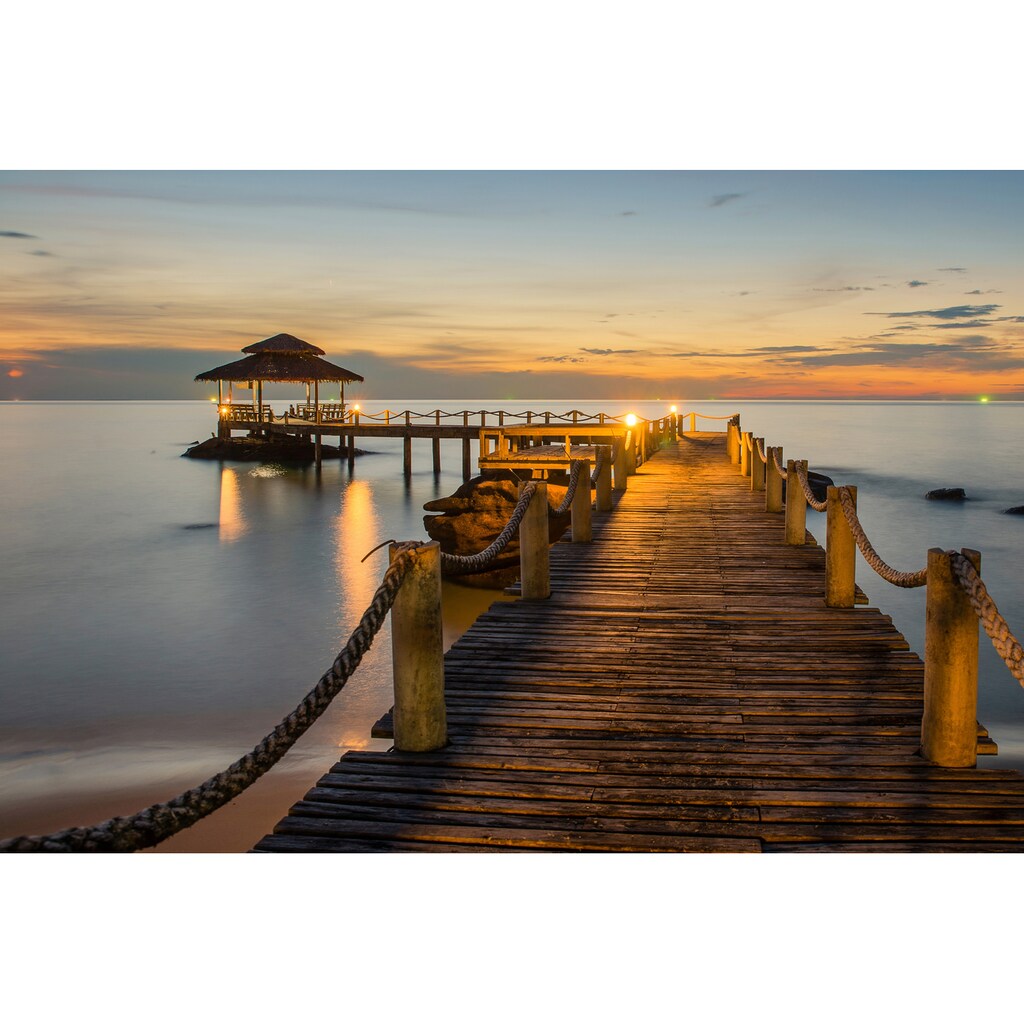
685,688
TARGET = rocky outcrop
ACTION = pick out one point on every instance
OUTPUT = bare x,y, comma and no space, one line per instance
947,494
258,449
476,513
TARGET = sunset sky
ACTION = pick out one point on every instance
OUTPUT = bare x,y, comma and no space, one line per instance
519,284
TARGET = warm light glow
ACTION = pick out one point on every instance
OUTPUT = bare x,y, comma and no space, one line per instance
356,407
15,373
231,520
984,398
631,420
672,408
212,399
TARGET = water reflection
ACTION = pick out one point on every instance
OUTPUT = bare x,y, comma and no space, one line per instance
232,521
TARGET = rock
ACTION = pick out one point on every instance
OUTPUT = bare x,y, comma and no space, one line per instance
258,449
1017,510
476,513
818,482
946,494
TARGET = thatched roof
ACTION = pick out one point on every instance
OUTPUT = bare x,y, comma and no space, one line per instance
285,343
274,365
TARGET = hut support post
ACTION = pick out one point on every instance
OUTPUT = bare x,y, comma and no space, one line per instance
840,553
417,653
534,556
604,479
582,532
796,506
949,725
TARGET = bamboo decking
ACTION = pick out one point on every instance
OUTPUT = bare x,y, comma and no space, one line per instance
684,689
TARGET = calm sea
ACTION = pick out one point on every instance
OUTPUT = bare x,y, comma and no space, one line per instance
160,614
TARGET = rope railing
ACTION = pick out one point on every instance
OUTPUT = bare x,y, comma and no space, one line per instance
570,491
948,744
897,578
1006,644
462,565
161,821
760,450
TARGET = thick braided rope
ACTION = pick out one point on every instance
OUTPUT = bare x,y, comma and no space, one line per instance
801,472
1003,640
570,493
159,822
462,564
704,416
760,451
598,464
779,468
871,556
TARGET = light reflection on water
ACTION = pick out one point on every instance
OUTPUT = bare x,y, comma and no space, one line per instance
160,615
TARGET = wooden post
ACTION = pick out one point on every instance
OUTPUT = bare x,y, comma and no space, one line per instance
840,553
693,423
582,532
757,467
534,556
630,454
604,479
620,467
318,451
773,482
466,459
796,506
744,454
673,427
436,453
407,454
417,653
949,726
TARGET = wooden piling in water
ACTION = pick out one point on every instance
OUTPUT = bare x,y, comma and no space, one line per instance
949,725
534,554
840,553
582,532
417,651
796,505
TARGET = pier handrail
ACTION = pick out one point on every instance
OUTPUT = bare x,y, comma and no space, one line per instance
966,575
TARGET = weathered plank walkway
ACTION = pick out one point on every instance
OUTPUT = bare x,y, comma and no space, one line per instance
684,689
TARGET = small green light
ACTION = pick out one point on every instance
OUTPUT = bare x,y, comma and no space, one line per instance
983,398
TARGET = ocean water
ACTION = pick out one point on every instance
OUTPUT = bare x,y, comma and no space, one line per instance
160,615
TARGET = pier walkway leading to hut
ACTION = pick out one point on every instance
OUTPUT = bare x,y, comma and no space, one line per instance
684,689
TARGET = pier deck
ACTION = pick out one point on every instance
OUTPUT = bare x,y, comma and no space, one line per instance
684,689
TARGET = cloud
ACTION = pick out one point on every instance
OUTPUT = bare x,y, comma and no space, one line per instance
725,197
988,291
948,313
41,252
15,234
628,213
611,351
916,284
974,352
953,270
967,323
560,359
847,288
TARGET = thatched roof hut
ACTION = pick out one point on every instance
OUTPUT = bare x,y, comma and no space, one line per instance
285,359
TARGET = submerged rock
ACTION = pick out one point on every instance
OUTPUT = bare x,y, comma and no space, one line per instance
1017,510
476,513
947,494
260,449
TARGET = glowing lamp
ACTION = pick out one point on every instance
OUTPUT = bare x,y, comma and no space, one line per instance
631,420
672,408
983,398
